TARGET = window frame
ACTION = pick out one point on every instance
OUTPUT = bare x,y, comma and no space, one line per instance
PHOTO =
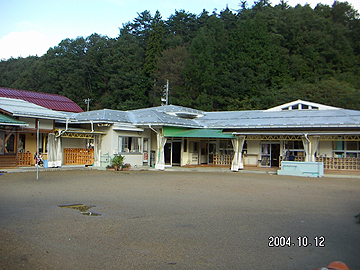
130,142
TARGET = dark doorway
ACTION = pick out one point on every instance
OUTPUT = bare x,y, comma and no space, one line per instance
172,152
167,152
176,153
275,154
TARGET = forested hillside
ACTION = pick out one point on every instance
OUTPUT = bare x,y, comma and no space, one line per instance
253,58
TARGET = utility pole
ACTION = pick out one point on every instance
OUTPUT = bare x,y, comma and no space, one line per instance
37,149
165,94
87,102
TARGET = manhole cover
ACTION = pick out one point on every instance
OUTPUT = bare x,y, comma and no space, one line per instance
82,208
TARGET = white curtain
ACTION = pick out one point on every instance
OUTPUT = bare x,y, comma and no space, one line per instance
51,156
307,147
314,146
58,158
97,147
237,162
160,161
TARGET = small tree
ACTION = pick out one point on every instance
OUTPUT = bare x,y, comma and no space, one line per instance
118,161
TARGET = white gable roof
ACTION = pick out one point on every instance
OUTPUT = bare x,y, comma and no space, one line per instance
302,105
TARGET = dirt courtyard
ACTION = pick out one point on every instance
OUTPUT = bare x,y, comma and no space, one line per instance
177,220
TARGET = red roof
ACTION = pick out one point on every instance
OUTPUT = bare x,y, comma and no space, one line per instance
50,101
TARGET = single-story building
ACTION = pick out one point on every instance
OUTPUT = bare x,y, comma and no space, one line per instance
9,140
177,136
36,108
32,118
173,135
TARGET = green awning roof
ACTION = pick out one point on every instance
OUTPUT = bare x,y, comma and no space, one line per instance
9,121
195,133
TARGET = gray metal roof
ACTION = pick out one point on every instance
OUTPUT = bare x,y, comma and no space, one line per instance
18,107
171,115
166,116
282,119
162,115
101,116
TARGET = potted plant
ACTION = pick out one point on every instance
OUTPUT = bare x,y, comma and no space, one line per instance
126,167
118,162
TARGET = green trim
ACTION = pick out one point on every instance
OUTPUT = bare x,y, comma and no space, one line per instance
195,133
7,120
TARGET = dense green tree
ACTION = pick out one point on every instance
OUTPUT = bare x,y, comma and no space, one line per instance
171,66
254,58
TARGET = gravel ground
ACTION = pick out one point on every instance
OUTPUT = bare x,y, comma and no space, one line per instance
176,220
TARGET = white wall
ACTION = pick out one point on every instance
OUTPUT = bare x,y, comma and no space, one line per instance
46,124
29,121
253,153
109,144
325,148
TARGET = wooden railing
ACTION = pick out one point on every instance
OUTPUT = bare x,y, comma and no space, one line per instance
24,159
296,158
330,163
223,159
78,156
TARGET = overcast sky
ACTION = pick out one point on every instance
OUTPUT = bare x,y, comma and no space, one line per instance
31,27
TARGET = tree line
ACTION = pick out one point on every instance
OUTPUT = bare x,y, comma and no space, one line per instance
251,58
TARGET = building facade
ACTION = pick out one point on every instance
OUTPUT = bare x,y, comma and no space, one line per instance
172,135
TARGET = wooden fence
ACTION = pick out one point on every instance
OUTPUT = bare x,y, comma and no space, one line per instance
223,159
330,163
78,156
24,159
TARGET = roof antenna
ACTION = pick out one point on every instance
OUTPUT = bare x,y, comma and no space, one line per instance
165,94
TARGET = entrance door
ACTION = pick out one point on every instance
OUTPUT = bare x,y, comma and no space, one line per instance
212,151
270,153
207,152
176,153
204,150
275,154
167,152
172,152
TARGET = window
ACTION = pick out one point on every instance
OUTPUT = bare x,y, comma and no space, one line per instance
7,142
43,137
193,147
130,144
346,149
2,142
294,148
226,147
21,143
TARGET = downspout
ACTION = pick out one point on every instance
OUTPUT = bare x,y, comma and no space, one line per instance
306,137
92,126
153,129
66,128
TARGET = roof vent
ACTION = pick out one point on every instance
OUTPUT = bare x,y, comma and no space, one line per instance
186,115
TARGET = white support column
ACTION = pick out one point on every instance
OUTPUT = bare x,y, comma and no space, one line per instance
160,160
58,160
237,162
307,147
51,150
97,147
314,146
